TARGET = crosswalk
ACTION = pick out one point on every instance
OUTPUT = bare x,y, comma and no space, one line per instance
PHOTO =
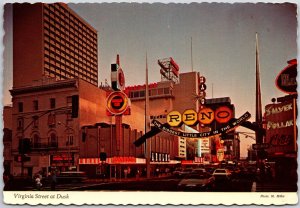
273,187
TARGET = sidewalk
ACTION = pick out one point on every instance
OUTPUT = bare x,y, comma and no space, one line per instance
273,186
107,180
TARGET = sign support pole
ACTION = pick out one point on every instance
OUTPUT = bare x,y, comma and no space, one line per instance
147,123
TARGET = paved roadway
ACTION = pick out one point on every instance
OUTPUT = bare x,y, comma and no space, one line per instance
169,184
154,184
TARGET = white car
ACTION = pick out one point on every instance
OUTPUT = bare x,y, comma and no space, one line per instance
222,173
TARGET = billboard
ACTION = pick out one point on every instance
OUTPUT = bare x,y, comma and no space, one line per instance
205,146
281,129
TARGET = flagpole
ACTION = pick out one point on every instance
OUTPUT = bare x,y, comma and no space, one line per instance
147,122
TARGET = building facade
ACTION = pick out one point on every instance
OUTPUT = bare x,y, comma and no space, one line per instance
51,40
44,113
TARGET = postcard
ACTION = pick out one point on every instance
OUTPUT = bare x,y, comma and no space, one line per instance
150,103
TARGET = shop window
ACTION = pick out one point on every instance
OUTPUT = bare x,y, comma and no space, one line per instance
142,93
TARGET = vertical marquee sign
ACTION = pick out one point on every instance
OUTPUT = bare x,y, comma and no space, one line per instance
281,127
117,101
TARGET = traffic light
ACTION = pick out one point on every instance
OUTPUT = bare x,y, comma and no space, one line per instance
114,74
22,158
24,146
75,105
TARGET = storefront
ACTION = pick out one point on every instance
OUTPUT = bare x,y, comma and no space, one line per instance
123,167
62,162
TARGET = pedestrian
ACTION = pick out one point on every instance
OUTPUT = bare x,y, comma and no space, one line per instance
125,173
137,174
157,172
38,182
53,181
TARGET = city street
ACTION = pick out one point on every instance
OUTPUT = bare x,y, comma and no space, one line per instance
169,183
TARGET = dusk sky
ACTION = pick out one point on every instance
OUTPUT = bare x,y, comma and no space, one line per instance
223,43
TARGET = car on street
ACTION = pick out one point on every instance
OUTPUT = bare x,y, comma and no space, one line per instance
177,171
196,182
184,172
71,176
199,171
222,174
210,169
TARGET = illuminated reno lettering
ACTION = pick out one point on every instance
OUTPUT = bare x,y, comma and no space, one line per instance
189,117
205,116
174,118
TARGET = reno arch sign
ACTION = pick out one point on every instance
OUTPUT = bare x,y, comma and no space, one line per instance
205,116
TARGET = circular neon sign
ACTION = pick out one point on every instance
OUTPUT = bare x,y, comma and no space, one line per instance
117,103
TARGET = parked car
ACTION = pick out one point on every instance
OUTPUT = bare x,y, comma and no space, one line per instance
222,174
177,171
185,172
210,169
199,171
196,182
71,176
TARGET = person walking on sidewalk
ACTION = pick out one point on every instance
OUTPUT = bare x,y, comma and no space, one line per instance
38,183
53,181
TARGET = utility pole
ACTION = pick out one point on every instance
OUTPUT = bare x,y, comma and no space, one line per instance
147,122
192,64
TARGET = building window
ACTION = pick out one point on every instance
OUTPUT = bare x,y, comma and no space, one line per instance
53,140
35,121
69,101
36,141
52,103
70,140
20,124
51,120
35,105
166,91
20,107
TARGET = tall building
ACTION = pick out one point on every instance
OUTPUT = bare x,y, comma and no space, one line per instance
52,40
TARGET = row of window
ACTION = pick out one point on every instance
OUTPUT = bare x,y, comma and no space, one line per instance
35,105
62,75
60,13
158,117
36,141
68,72
70,40
152,92
69,52
68,33
68,64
